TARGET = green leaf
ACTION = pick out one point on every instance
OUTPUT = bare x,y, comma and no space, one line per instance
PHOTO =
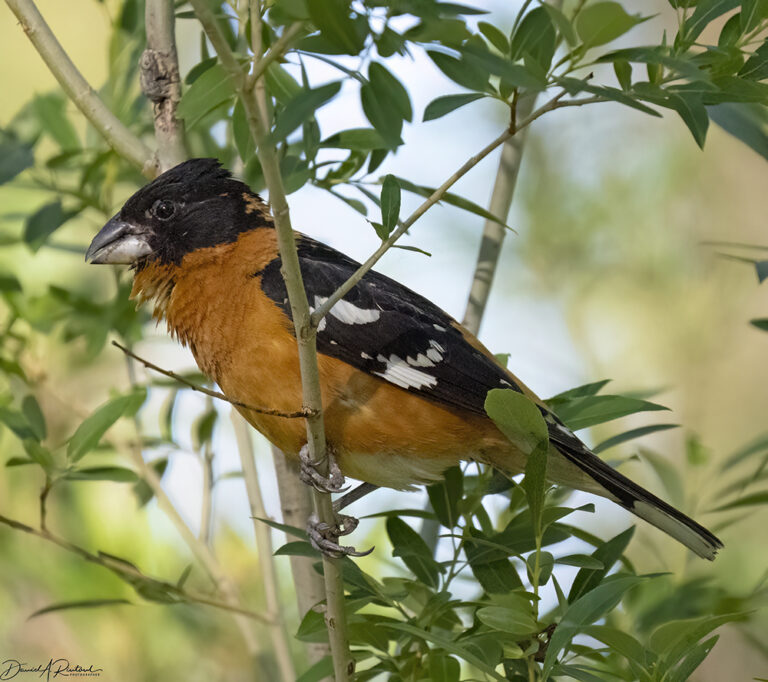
514,621
17,423
386,103
693,658
586,610
34,416
390,203
581,413
336,25
760,323
580,391
281,84
322,670
631,435
214,87
535,37
117,474
671,641
515,75
494,36
623,72
297,549
301,108
693,112
461,71
51,111
601,22
452,199
755,499
490,565
619,641
580,561
39,454
446,495
43,223
518,418
746,122
15,157
19,461
242,133
415,553
443,668
83,604
361,139
706,11
668,474
761,268
445,105
564,25
142,489
89,433
285,528
607,554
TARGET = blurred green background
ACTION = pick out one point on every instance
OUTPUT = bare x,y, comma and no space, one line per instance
609,276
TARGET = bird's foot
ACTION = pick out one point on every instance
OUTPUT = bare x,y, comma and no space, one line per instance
324,537
333,482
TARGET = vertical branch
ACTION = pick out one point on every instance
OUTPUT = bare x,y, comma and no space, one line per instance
296,505
277,630
160,81
493,233
122,140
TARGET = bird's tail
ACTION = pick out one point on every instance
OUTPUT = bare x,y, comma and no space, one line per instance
630,495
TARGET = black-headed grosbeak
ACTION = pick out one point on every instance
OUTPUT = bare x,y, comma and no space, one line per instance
403,383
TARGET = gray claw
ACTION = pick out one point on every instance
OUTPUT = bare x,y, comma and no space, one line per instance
309,475
324,537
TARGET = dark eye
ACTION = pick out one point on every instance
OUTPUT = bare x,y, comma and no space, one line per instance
163,209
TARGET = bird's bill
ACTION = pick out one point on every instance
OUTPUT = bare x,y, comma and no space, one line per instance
118,242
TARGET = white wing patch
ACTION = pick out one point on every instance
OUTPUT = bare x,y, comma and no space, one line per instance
400,373
349,313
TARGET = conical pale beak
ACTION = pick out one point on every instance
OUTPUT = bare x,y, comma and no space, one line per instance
118,242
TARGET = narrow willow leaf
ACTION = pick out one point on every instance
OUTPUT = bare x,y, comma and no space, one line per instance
607,554
30,408
390,203
285,528
631,435
706,11
89,433
112,473
44,222
755,499
535,37
301,107
415,553
214,87
356,139
760,323
51,112
443,668
15,157
601,22
445,105
84,604
590,410
514,621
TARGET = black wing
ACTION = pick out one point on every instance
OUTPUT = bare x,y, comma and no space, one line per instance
383,328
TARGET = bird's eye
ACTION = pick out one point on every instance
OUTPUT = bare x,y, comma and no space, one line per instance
163,209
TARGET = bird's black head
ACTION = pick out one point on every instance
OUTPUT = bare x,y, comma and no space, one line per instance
194,205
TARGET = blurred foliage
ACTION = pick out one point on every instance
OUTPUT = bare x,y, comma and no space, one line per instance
491,598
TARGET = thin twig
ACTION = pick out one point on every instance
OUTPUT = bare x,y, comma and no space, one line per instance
122,140
207,391
437,195
123,568
281,46
277,631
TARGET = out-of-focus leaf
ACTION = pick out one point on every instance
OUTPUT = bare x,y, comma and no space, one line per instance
214,87
692,659
564,25
141,488
668,474
51,111
494,36
410,546
43,223
390,203
756,67
760,323
117,474
581,413
619,641
34,416
83,604
15,157
16,422
586,610
19,461
41,455
601,22
89,433
761,268
241,132
631,435
301,107
322,670
693,112
445,105
755,499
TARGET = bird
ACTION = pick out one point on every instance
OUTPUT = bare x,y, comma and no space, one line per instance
403,383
